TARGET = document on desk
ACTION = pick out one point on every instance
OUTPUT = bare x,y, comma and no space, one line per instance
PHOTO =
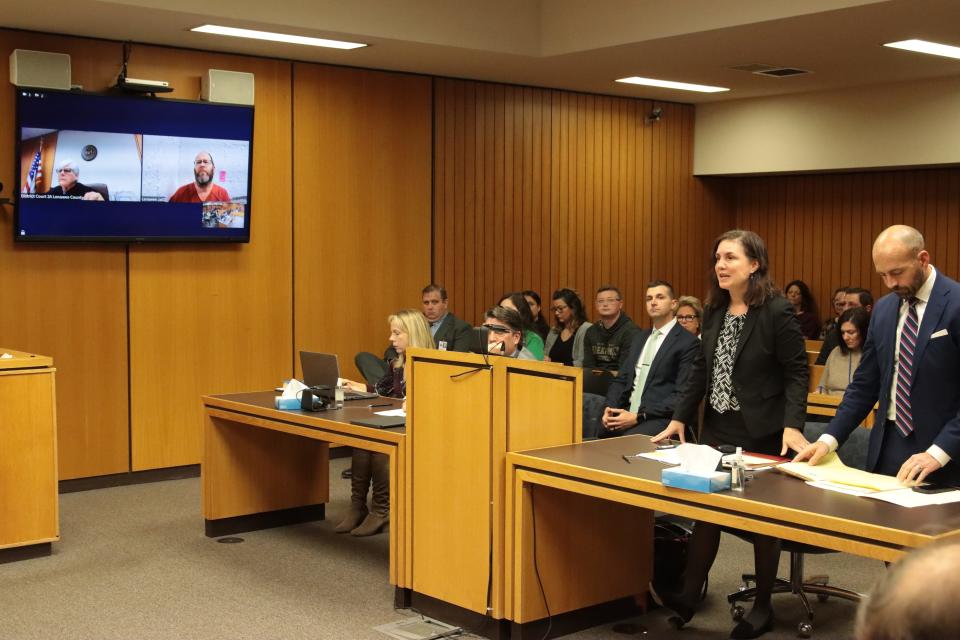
666,456
910,498
392,413
831,469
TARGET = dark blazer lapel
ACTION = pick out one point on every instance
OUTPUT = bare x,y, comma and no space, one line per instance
709,335
931,318
748,323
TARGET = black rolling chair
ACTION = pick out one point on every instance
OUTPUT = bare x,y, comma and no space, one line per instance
796,584
853,453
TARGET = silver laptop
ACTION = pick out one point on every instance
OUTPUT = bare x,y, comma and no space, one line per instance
323,369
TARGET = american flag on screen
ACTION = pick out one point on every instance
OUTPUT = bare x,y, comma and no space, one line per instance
34,175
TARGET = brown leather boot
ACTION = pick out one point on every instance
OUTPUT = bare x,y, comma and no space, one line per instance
380,508
371,525
362,468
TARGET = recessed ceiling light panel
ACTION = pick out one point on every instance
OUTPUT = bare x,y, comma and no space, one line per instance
924,46
276,37
670,84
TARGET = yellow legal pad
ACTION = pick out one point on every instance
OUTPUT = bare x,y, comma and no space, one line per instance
832,469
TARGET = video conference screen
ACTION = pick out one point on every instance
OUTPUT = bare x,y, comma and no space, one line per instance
131,168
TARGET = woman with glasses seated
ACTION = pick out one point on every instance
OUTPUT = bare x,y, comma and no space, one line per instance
408,328
689,312
531,339
564,343
505,334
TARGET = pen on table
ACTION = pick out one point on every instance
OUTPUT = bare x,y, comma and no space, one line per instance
386,404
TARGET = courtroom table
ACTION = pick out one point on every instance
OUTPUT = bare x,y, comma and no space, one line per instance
772,504
263,467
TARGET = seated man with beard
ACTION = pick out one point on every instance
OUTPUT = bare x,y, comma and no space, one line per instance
202,188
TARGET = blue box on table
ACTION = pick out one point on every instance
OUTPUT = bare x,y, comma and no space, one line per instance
709,483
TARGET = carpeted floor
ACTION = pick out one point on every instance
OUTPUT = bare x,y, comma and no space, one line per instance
133,563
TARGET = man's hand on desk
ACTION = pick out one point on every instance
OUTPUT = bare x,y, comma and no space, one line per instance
618,419
917,467
812,453
675,428
793,440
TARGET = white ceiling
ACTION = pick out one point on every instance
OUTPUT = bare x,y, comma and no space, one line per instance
571,44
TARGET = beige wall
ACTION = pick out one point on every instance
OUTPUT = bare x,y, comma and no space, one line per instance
902,125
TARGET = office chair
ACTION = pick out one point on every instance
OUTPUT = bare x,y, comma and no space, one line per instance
100,188
795,584
853,453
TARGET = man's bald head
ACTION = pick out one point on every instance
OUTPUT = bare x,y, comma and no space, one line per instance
901,259
915,599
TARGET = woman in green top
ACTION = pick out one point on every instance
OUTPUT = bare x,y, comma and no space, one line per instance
531,339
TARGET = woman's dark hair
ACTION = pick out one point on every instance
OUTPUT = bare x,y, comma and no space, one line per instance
761,288
572,300
539,324
807,303
523,308
533,294
858,317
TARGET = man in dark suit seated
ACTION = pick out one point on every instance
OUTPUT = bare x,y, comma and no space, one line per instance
450,333
911,365
642,397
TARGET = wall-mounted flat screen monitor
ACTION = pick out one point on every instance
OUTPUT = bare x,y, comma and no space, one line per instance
94,167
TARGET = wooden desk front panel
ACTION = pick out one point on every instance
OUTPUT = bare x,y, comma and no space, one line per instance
248,470
28,464
588,551
451,483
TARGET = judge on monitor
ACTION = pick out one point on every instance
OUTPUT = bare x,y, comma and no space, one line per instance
68,175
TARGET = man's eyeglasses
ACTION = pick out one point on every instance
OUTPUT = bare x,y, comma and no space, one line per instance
498,329
608,301
686,318
64,170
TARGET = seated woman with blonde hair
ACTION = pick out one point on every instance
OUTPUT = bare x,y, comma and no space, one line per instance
408,328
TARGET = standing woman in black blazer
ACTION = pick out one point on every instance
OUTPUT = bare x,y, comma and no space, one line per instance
752,369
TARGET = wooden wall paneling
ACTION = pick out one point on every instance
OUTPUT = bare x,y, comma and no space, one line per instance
69,301
473,251
361,197
821,228
440,171
589,193
212,318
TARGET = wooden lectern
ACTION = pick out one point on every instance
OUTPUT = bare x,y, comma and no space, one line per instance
466,412
29,508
